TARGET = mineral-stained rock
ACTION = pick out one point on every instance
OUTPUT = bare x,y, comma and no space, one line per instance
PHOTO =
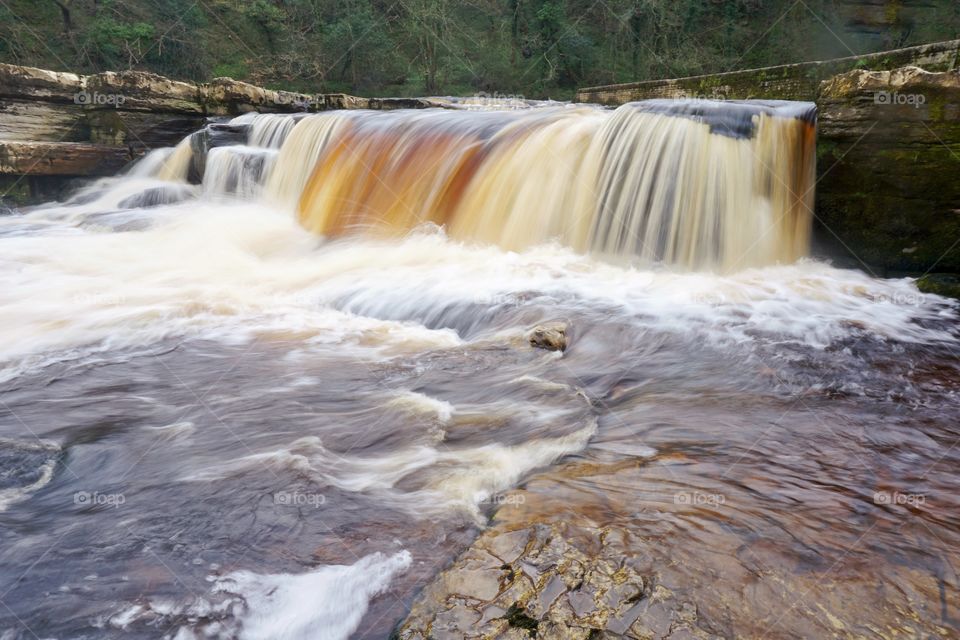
551,336
889,155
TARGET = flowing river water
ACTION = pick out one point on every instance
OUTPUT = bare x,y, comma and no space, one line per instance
226,413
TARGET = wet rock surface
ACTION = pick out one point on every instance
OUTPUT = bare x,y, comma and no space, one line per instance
619,545
551,336
553,581
942,284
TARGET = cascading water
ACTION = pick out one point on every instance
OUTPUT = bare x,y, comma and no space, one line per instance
267,383
693,184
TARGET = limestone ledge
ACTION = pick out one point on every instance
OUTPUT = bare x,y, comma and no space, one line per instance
132,111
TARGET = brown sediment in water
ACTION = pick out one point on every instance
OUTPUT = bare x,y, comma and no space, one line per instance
719,187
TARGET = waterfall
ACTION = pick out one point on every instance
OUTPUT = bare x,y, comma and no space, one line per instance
306,144
695,184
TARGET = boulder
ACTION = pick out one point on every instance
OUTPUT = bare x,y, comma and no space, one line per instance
140,90
550,336
24,83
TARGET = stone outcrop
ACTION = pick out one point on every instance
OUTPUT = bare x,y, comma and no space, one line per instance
61,159
889,155
63,124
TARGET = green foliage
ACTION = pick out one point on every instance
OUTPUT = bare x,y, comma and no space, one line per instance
111,43
534,48
235,70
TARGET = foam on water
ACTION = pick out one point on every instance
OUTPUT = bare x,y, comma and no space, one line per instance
419,403
327,603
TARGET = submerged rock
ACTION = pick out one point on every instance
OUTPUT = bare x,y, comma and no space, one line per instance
551,336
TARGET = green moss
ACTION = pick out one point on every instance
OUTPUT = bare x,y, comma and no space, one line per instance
516,616
827,149
941,284
891,13
106,127
14,192
936,106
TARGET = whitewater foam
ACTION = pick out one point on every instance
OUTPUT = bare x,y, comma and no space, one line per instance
327,603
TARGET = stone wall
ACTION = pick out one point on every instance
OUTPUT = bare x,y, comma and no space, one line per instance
787,82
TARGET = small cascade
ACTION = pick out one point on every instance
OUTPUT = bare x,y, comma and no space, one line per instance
151,164
705,184
269,130
236,170
177,165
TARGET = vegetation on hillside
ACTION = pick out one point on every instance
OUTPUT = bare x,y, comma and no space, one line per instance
534,48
